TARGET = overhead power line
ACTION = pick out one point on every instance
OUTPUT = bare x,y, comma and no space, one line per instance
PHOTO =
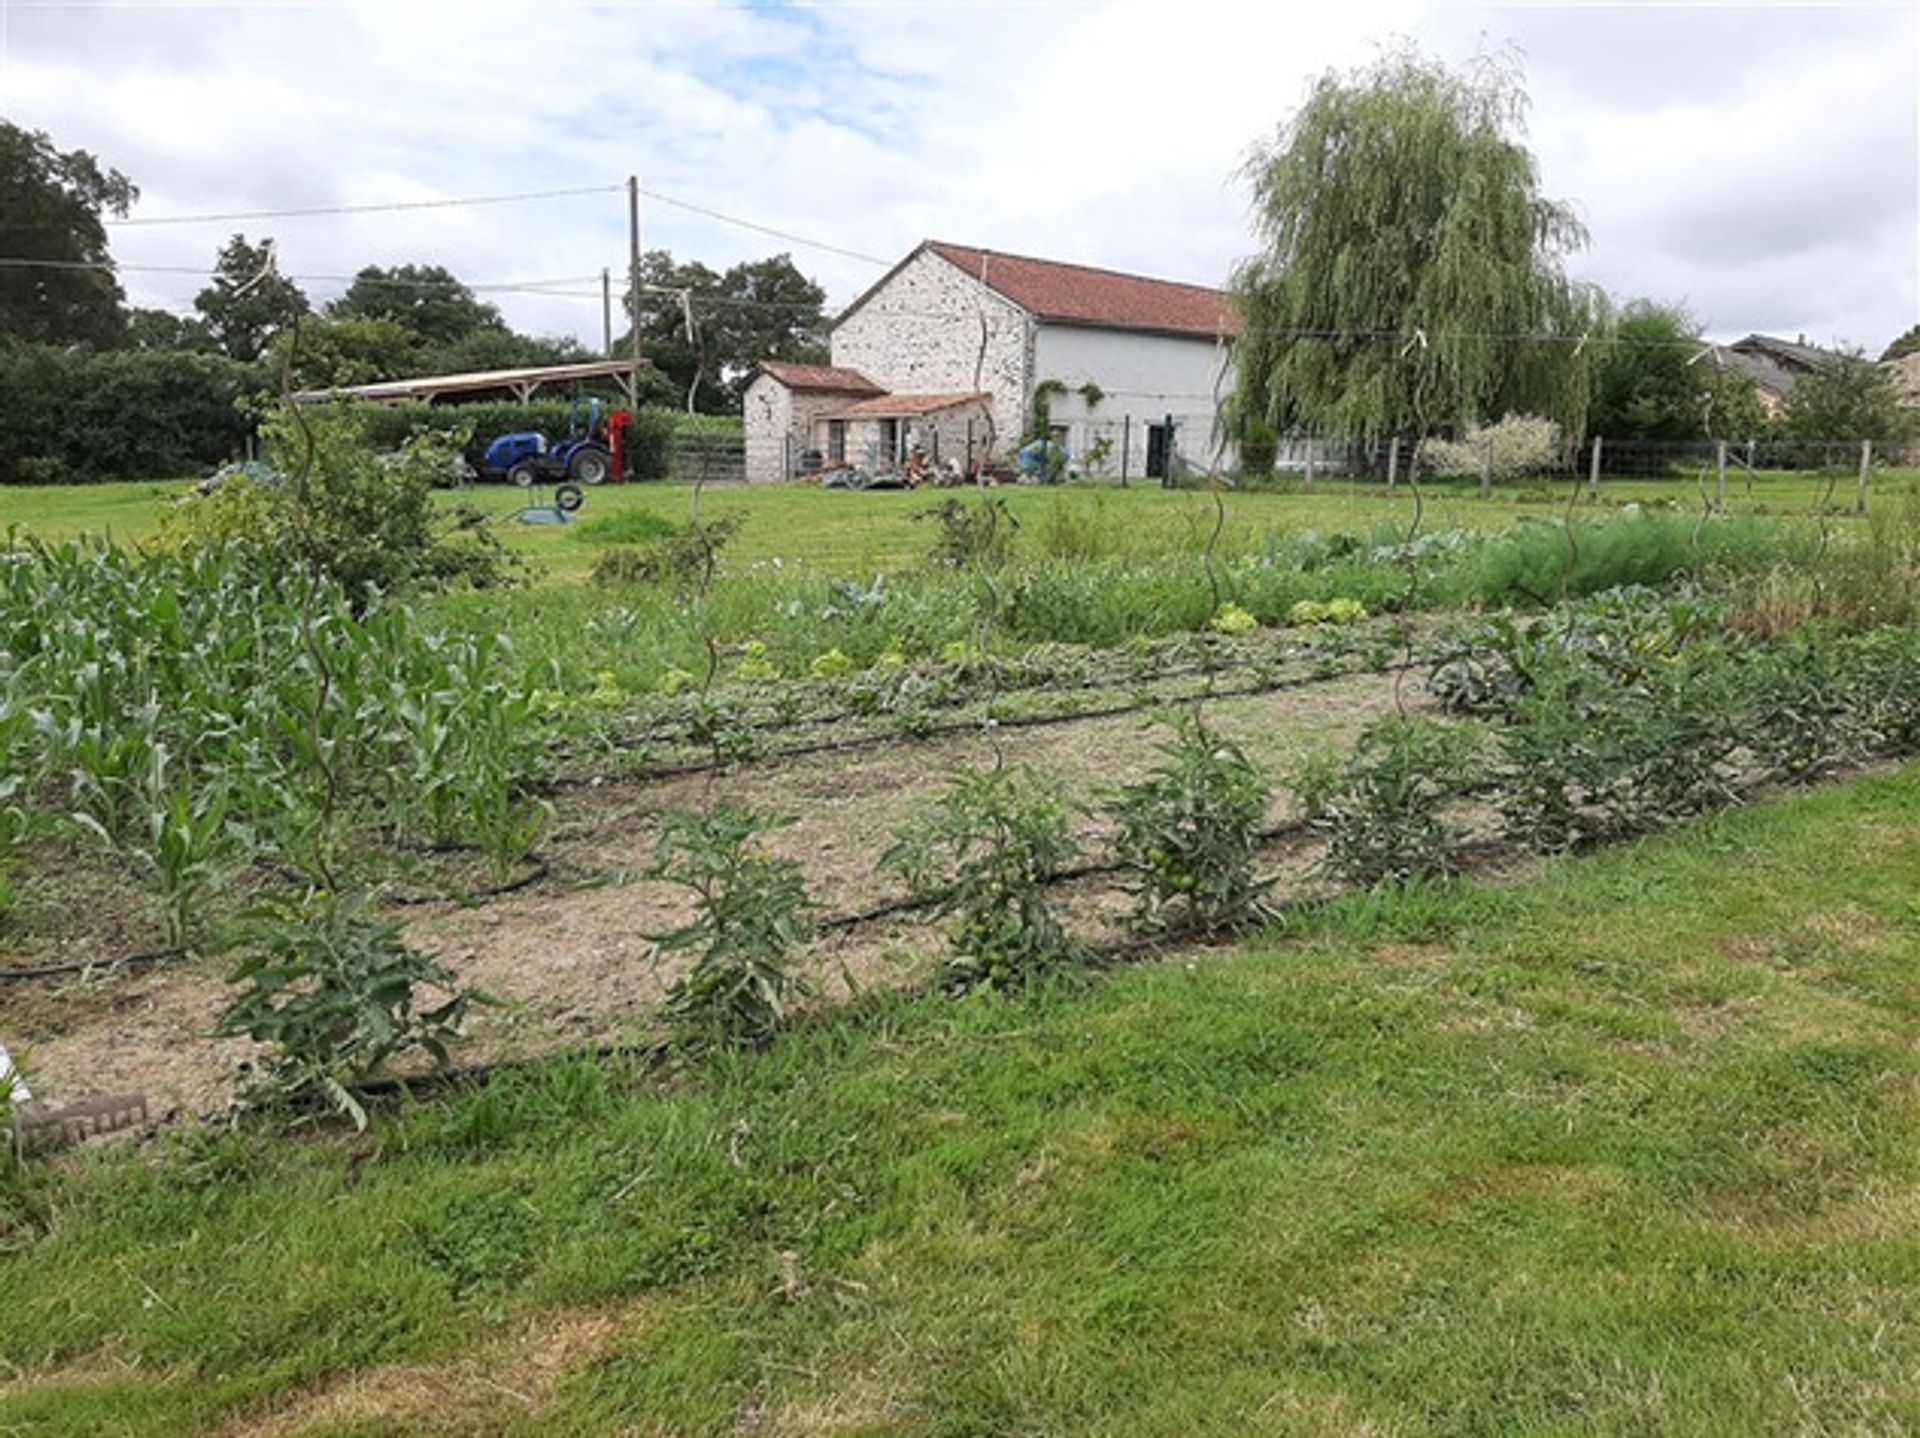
381,208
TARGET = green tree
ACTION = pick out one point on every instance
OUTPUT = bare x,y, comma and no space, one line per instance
249,301
1902,346
51,203
755,310
1652,380
1410,272
333,352
1848,398
163,330
424,299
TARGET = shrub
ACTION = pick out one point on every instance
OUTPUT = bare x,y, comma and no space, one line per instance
682,555
1382,806
971,535
985,857
330,988
370,521
1189,833
73,416
1520,444
751,914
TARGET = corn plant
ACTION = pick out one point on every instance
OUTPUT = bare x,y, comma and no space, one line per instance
1383,807
752,914
1188,834
331,989
985,857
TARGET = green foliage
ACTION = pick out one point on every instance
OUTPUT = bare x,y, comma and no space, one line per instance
187,712
369,521
985,857
1397,202
331,990
1647,381
681,555
1536,562
756,310
752,914
1189,833
74,416
972,536
1382,806
1848,399
52,202
248,302
1902,345
425,300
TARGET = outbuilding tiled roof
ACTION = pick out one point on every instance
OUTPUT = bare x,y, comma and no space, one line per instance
1080,294
893,406
820,378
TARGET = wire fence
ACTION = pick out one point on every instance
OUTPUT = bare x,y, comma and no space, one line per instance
707,456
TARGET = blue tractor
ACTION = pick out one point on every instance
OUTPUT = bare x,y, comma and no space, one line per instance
529,457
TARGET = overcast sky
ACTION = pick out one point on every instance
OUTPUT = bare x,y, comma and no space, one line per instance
1758,163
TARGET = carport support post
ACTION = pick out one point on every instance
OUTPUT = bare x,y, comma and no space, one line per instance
1593,470
1393,462
1866,468
1720,475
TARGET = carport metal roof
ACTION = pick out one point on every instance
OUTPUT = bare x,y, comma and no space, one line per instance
521,382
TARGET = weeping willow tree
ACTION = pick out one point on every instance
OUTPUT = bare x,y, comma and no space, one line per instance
1411,273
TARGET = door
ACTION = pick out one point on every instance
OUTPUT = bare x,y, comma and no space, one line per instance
1158,439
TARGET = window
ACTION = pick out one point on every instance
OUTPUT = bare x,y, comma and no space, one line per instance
836,441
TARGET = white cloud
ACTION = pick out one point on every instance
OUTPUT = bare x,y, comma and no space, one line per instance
1759,163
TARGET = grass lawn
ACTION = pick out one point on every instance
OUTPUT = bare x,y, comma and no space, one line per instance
837,532
1629,1147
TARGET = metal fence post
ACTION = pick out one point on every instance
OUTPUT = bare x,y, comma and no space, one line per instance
1720,475
1393,462
1310,457
1486,473
1593,470
1866,468
1126,447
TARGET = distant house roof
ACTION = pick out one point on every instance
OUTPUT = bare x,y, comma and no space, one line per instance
900,406
1789,354
820,378
1774,364
1083,295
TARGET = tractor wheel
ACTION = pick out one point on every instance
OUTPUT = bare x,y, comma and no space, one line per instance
588,466
523,474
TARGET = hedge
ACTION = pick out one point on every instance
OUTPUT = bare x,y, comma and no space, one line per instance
76,415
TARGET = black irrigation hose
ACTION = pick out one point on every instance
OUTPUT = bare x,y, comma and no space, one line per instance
81,966
654,773
540,871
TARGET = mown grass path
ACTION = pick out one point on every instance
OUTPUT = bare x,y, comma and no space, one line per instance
1627,1148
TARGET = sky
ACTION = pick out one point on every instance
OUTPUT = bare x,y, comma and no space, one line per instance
1759,164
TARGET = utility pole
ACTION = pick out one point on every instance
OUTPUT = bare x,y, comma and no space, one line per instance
633,280
606,312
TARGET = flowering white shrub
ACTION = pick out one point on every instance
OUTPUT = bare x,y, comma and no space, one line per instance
1522,444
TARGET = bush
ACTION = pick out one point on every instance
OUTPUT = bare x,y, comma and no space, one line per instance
1189,833
1521,444
76,416
330,989
682,555
370,521
751,913
970,534
986,856
1381,806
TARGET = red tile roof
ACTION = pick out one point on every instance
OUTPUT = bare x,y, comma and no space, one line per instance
1079,294
825,379
890,406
